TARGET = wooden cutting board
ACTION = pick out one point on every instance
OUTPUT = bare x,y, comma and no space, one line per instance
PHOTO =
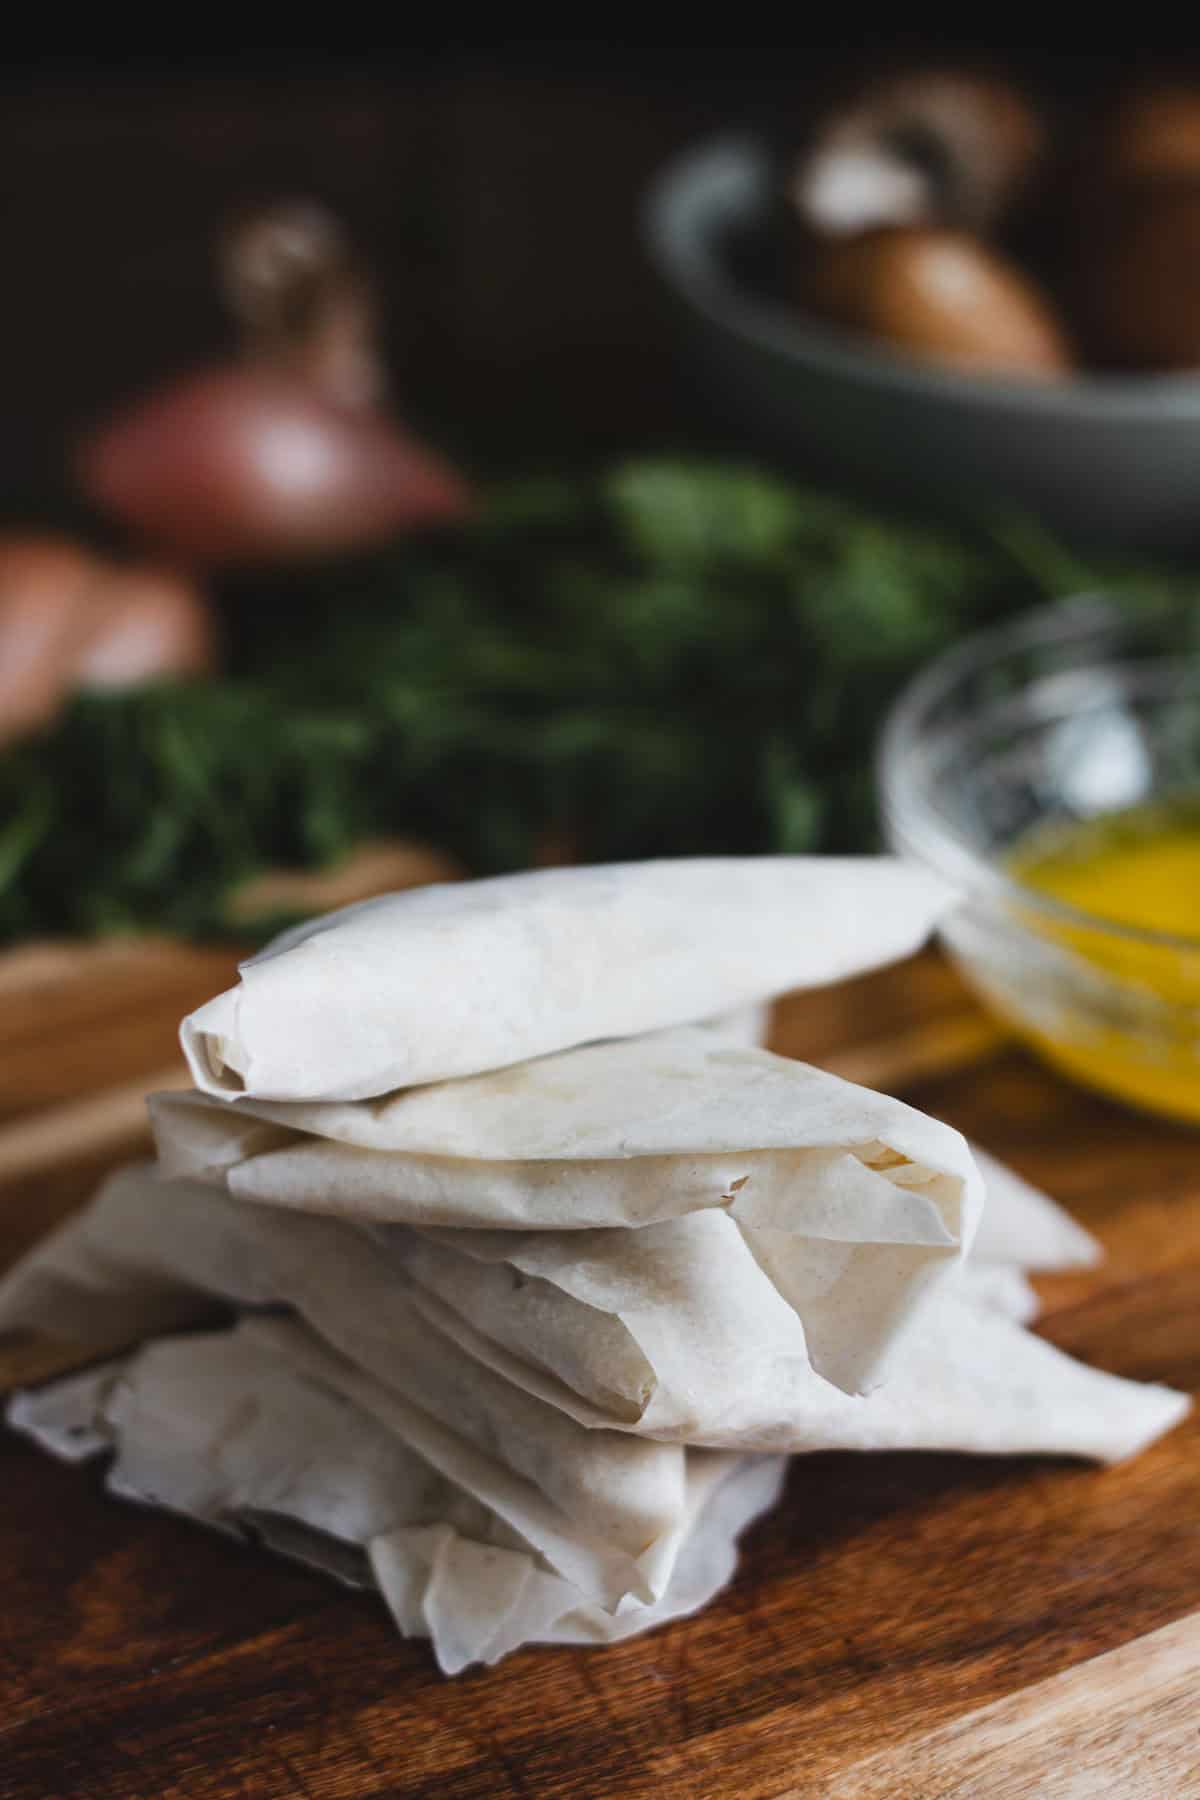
901,1625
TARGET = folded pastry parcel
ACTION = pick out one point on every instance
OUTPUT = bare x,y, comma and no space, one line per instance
265,1431
850,1203
508,1268
455,979
579,1363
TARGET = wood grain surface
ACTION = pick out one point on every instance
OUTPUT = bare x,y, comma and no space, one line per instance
904,1625
1124,1723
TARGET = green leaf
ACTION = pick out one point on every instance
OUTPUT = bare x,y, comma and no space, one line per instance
664,658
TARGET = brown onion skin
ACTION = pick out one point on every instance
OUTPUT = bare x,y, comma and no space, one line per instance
70,620
1153,131
150,623
45,601
982,138
942,296
245,465
1138,276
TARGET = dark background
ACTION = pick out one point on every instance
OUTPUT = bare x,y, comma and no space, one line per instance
493,186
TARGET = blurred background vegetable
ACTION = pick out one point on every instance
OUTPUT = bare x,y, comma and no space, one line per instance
287,452
939,294
659,659
928,210
929,147
633,655
71,620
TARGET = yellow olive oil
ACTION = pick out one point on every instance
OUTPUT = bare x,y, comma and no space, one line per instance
1133,1027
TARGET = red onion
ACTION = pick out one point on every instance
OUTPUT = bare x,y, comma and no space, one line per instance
285,453
251,464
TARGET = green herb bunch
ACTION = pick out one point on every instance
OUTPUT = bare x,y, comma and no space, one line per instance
660,659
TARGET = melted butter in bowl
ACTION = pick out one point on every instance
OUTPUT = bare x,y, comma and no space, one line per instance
1051,767
1138,870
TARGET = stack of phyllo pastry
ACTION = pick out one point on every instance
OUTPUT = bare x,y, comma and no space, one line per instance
538,1267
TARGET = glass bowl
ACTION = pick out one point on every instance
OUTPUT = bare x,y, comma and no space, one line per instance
1077,711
